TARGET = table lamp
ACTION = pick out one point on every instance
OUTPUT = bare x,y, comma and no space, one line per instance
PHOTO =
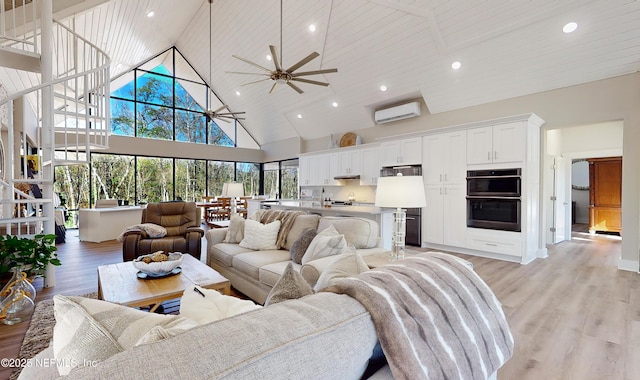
233,190
400,192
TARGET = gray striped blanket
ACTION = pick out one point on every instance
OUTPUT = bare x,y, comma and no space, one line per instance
434,316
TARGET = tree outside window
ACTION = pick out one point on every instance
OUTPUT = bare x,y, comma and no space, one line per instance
155,179
190,180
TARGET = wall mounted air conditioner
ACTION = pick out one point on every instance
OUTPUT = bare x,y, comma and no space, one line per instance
400,112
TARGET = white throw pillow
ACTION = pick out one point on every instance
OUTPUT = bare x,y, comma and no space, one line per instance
235,232
88,330
258,236
327,242
208,305
154,231
342,266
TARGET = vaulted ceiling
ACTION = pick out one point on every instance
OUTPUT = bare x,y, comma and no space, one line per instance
507,48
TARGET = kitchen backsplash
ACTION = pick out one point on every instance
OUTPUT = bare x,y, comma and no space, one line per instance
362,194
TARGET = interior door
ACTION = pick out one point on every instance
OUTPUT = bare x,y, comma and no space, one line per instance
562,199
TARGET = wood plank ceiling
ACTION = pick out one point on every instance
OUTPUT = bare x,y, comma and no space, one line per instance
507,48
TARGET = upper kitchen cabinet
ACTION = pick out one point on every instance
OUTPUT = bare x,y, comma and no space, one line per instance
497,144
401,152
445,158
319,170
350,163
370,166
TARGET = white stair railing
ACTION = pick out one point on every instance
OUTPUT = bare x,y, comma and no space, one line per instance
71,118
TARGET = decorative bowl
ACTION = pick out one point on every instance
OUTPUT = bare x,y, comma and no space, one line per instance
158,268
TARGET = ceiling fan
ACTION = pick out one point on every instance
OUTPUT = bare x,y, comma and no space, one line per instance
285,76
211,114
224,116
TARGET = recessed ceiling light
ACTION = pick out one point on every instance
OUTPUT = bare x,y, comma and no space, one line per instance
456,65
238,93
268,57
150,13
312,27
335,104
383,88
570,27
299,116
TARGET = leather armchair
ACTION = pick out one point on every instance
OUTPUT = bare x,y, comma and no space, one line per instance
182,222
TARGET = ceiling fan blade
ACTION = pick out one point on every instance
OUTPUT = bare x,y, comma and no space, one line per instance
298,89
230,114
274,56
303,62
310,81
258,81
273,87
315,72
251,63
219,109
237,72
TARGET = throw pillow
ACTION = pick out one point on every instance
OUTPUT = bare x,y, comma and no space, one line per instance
208,305
258,236
327,242
154,231
342,266
299,247
300,225
290,286
89,330
235,232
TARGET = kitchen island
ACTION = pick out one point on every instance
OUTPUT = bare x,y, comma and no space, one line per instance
384,216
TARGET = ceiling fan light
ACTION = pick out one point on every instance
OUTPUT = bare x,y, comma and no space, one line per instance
281,81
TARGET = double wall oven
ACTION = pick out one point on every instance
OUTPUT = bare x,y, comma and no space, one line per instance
493,199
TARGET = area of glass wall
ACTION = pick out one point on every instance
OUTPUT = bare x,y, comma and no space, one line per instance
166,99
135,180
281,179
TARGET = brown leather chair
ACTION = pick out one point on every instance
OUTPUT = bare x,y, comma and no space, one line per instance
182,222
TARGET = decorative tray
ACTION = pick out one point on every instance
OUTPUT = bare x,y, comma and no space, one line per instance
147,276
348,139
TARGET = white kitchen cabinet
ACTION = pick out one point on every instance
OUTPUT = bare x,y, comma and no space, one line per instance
444,220
328,166
445,158
304,171
350,162
370,166
402,152
497,144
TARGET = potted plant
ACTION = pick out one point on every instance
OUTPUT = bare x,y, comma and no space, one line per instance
32,255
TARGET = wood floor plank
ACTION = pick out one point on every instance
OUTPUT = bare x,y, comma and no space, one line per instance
573,315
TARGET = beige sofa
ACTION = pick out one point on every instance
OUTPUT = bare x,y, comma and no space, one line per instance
254,273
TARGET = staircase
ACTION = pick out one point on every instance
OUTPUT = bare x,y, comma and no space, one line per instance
59,121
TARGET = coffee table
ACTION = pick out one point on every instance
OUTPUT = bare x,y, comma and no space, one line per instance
119,283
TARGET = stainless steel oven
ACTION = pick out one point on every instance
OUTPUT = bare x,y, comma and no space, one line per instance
494,183
493,199
494,213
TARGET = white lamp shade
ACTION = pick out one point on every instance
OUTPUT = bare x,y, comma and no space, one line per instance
400,191
233,189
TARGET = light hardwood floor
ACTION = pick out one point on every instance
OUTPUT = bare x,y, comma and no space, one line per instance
573,315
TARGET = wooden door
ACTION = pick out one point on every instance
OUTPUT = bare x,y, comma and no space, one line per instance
605,194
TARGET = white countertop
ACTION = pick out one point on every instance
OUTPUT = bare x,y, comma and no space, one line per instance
334,209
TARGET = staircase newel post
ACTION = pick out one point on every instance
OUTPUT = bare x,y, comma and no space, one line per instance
48,137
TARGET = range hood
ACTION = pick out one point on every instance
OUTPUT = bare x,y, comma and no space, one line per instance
347,176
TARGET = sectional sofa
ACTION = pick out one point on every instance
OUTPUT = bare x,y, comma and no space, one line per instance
255,272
